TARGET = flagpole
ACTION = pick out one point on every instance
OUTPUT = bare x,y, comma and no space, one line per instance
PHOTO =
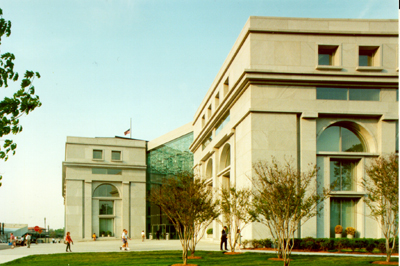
130,129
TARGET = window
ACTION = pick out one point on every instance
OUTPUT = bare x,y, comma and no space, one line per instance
216,101
97,155
343,175
203,121
106,171
106,207
339,139
209,112
106,226
352,94
327,55
224,120
368,56
343,212
115,156
106,190
207,141
226,86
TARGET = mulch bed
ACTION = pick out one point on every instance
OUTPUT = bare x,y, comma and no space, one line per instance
232,253
194,258
184,265
385,263
277,259
321,251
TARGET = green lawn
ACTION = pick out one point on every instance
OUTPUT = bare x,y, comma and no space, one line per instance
172,257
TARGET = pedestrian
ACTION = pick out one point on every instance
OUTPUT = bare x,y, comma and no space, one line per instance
239,237
12,240
224,239
124,240
28,240
22,241
143,236
68,241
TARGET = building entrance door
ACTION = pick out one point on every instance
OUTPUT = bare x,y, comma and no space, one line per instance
159,231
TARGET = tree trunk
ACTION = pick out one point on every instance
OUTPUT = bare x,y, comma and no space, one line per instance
388,249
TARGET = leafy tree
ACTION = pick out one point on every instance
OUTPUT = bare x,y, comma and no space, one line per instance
22,102
284,198
382,197
236,209
189,205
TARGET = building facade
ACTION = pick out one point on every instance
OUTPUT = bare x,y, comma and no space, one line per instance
321,91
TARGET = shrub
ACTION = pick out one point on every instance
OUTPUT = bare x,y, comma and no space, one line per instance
266,243
255,243
245,243
341,243
338,229
370,245
209,231
350,231
327,244
352,244
382,245
308,243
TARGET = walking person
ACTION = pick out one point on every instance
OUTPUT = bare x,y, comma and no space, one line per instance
124,238
143,236
12,240
68,241
224,239
28,240
239,237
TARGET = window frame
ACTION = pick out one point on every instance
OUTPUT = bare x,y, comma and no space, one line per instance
376,57
120,156
348,92
336,55
102,155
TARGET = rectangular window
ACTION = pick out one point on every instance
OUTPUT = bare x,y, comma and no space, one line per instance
226,87
106,207
106,171
209,112
225,119
364,94
115,156
368,56
327,55
216,101
203,121
106,226
343,175
97,154
352,94
207,141
343,212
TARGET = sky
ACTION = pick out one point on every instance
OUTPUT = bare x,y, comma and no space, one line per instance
103,62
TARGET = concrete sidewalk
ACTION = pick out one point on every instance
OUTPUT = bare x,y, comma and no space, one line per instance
134,245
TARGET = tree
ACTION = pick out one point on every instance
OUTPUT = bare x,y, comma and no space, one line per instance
284,198
189,205
236,209
382,197
22,102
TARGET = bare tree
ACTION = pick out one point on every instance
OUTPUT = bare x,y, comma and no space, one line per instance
236,209
284,198
185,200
382,197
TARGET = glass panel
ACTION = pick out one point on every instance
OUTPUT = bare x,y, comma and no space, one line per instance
116,155
335,174
335,216
329,140
222,124
106,226
106,191
111,171
207,141
331,93
106,207
351,142
348,214
99,171
228,157
348,176
364,94
324,59
364,60
97,154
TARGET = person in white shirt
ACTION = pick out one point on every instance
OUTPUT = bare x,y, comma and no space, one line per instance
143,236
28,240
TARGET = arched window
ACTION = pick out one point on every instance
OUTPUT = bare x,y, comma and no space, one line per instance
106,190
209,169
340,139
225,157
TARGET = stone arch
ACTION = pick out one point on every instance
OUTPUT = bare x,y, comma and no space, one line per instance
363,134
225,158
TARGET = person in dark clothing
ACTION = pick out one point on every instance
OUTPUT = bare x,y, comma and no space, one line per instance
224,238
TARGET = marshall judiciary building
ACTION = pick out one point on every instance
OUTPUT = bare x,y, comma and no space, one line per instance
323,91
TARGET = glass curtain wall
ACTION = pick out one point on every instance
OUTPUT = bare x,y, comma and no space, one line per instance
163,162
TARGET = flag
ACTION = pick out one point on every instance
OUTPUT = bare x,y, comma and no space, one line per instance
127,132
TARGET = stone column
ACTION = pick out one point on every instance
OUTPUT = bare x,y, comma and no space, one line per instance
125,206
88,209
308,151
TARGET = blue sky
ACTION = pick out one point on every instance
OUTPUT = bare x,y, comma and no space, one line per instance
104,62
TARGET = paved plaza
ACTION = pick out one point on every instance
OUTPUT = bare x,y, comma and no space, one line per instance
8,254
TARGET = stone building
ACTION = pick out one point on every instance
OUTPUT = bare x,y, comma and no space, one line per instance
321,91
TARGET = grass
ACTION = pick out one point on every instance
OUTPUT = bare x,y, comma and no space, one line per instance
165,258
